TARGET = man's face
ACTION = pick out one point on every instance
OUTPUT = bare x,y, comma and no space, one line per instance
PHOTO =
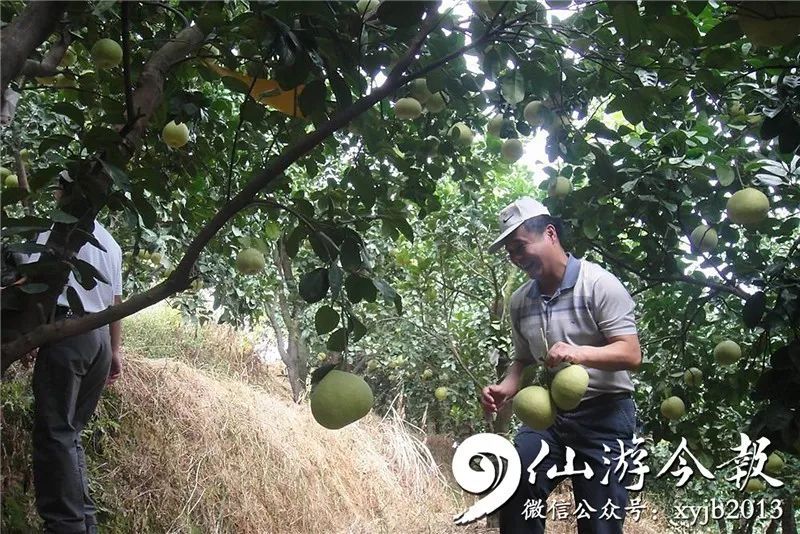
529,250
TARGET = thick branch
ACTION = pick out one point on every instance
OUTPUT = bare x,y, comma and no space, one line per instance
24,34
671,277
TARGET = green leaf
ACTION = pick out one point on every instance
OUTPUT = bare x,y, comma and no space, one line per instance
725,32
680,29
512,88
359,288
119,177
62,217
70,111
351,255
322,246
252,111
401,14
725,174
635,107
88,270
356,327
344,98
312,99
26,248
235,84
326,319
337,341
314,285
754,309
627,21
75,303
33,289
336,280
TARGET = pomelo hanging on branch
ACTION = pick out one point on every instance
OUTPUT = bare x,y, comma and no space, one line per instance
568,387
534,407
175,135
106,53
339,399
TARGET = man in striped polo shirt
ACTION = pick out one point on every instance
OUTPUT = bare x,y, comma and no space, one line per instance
571,311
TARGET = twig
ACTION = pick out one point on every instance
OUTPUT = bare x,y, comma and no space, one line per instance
126,60
236,139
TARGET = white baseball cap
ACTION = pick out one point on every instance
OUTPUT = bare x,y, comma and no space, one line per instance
514,215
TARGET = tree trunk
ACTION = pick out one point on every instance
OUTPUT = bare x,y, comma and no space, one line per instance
24,34
788,525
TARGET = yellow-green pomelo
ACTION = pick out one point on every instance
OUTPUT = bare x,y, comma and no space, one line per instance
407,108
440,393
511,150
727,352
106,53
754,485
534,408
693,377
769,23
418,89
250,261
495,125
748,206
11,181
568,387
704,238
461,134
372,365
155,257
559,187
69,58
436,103
175,135
4,172
533,113
427,373
774,464
65,81
673,408
339,399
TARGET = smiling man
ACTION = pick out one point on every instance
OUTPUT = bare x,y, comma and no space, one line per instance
571,311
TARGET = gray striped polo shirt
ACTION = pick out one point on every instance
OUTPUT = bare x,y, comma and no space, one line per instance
590,306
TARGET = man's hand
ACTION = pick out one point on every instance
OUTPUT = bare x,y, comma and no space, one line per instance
563,352
494,397
116,368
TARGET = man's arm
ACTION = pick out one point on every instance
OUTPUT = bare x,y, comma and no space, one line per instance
622,353
115,330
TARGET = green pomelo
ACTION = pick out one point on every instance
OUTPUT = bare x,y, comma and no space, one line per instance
418,89
693,377
559,187
407,108
175,135
440,393
534,408
106,53
568,387
511,150
436,103
250,261
727,352
673,408
704,238
774,464
340,399
495,125
748,206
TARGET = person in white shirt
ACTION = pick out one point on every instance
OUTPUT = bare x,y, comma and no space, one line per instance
68,379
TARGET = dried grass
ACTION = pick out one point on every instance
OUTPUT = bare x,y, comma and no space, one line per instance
198,452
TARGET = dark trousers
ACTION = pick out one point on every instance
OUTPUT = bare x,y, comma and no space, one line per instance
585,429
68,379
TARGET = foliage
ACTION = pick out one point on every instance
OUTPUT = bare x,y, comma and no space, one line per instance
657,113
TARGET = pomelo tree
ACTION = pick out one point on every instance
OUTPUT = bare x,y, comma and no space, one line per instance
655,114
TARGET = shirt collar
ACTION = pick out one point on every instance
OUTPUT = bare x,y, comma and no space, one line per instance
567,282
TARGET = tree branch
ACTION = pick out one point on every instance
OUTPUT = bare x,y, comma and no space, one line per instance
24,34
126,61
